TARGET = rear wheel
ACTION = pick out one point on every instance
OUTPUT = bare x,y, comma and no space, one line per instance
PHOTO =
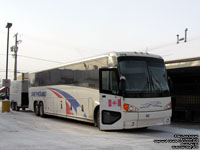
41,109
36,108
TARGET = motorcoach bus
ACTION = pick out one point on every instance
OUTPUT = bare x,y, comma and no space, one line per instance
117,90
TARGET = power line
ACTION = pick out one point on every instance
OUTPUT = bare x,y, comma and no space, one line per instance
162,46
38,59
12,71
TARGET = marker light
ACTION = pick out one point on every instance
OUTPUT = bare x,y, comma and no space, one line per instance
126,107
168,106
130,108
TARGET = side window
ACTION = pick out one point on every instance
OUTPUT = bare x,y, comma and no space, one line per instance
109,82
105,80
113,81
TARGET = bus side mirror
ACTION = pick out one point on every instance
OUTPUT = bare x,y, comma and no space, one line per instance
122,85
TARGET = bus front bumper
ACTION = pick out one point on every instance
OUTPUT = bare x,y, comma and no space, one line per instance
146,119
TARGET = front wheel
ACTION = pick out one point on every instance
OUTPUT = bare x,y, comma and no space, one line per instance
97,119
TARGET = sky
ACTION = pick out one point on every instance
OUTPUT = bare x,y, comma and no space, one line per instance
60,31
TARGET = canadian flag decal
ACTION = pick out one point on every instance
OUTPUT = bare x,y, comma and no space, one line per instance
114,103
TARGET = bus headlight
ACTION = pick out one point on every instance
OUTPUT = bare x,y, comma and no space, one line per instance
130,108
168,106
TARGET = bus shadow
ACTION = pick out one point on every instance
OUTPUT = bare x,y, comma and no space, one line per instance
145,130
91,126
69,120
26,111
153,131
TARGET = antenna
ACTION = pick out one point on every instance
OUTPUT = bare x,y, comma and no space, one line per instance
183,38
146,50
177,38
186,34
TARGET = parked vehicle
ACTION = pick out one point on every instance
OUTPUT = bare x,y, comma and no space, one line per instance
118,90
19,95
3,96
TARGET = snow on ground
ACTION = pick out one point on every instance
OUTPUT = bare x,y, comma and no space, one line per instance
25,131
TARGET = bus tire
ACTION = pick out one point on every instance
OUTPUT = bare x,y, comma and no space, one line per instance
97,118
36,108
41,109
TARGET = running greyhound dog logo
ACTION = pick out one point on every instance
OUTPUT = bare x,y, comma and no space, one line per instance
152,104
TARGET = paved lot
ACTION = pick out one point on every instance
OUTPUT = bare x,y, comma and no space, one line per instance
25,131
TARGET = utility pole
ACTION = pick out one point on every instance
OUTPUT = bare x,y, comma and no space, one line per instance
15,50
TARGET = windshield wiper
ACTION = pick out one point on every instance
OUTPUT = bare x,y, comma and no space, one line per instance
147,85
159,87
151,85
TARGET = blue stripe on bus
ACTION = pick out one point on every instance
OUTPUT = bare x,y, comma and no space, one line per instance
71,99
85,115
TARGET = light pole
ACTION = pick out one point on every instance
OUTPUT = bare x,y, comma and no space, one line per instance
9,25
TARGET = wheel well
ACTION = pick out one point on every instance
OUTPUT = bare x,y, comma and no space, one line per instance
95,113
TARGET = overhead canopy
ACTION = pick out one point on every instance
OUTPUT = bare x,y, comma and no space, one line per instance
183,63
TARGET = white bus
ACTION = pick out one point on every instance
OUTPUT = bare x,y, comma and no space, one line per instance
118,90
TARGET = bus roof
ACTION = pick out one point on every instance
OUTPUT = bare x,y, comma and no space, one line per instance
115,54
139,54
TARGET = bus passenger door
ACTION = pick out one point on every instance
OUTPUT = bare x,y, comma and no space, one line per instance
111,103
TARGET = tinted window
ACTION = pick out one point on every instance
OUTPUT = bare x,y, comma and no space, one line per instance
85,74
105,80
145,77
109,81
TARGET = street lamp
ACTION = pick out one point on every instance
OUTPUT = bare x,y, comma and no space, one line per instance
9,25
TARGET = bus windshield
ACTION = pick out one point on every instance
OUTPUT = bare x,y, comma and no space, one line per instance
145,77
